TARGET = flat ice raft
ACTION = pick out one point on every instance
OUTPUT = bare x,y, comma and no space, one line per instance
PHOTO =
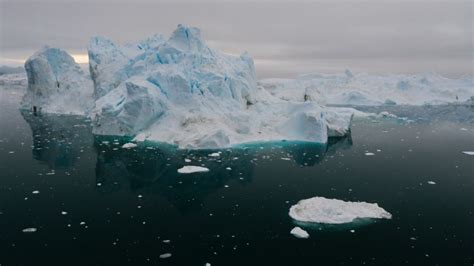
334,211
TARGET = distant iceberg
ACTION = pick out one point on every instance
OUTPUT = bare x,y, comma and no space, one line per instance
372,90
334,211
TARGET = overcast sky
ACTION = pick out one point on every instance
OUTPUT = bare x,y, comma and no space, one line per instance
285,38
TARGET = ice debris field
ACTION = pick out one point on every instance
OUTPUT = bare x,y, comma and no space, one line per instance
181,92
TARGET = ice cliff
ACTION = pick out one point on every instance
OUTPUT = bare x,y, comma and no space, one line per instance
56,84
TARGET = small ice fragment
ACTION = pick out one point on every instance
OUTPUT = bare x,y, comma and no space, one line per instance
463,129
228,168
285,159
63,213
35,192
165,255
431,182
29,230
207,264
299,233
192,169
369,154
352,231
129,145
99,184
214,154
82,223
468,152
166,241
187,160
11,152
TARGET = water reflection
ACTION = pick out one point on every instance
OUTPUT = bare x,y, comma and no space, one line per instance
60,140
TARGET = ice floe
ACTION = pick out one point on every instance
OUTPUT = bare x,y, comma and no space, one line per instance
129,145
334,211
299,233
192,169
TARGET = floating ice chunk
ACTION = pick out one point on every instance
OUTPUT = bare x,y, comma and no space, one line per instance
192,169
165,255
334,211
299,233
64,213
468,152
35,192
431,182
369,154
214,154
187,160
129,145
29,230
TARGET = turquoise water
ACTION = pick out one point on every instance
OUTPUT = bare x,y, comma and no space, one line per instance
121,205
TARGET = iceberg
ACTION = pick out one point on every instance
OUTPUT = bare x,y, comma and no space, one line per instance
371,89
56,84
182,92
177,91
334,211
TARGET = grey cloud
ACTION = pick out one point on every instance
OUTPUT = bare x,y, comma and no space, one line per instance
370,35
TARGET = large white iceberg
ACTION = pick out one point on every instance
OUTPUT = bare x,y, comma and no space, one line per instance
182,92
56,84
178,91
334,211
368,89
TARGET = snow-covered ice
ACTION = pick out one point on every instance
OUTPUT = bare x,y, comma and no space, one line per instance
192,169
334,211
57,84
299,233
